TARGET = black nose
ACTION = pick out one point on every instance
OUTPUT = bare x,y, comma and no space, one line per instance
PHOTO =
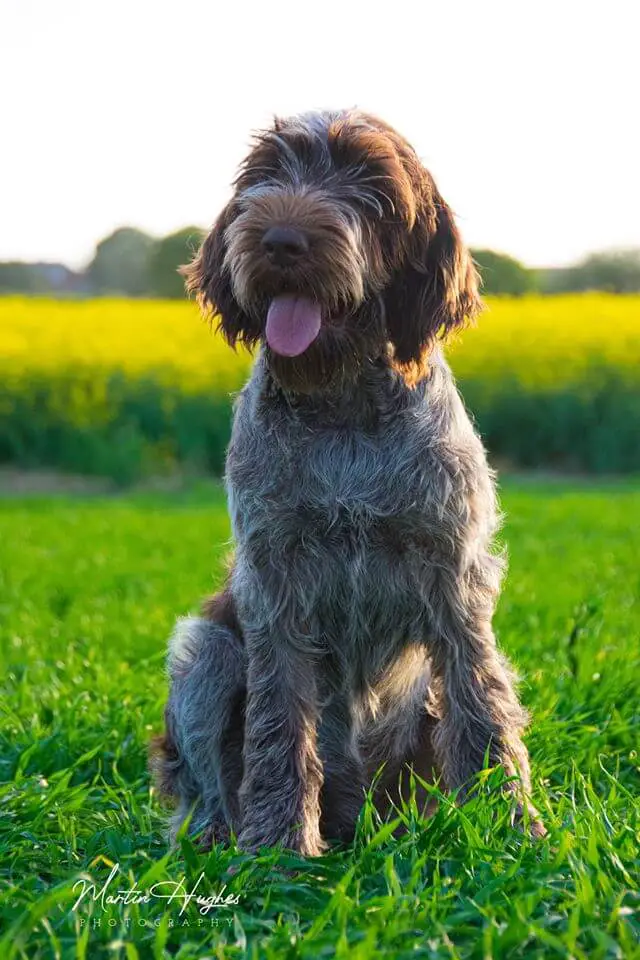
284,245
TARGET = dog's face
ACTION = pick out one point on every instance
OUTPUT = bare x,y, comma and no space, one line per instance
335,244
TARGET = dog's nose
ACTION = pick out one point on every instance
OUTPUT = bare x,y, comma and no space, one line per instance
284,245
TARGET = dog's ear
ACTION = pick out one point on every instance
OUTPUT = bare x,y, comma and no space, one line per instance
435,288
208,277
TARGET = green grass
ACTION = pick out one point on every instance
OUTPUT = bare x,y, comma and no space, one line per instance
88,592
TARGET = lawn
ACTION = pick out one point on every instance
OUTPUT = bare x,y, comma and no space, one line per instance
88,592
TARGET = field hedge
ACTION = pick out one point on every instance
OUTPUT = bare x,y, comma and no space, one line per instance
126,388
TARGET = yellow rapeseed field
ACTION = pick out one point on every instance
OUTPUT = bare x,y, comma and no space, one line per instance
540,341
165,339
545,342
550,379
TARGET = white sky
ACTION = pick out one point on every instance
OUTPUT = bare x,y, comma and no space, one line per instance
134,112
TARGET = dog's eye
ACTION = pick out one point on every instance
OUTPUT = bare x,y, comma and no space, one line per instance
369,188
261,166
300,154
371,200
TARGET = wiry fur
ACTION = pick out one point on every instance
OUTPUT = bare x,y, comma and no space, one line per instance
355,629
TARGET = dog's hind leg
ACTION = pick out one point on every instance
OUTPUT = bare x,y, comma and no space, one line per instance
199,759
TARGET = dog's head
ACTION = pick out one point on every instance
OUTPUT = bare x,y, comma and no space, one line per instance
335,243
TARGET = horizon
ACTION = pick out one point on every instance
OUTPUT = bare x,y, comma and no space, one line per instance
139,117
83,267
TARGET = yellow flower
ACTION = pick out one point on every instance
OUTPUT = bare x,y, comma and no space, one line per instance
539,342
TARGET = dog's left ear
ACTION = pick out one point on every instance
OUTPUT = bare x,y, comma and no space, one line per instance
435,289
208,277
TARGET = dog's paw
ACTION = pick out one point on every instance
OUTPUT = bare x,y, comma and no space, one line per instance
306,843
216,831
527,818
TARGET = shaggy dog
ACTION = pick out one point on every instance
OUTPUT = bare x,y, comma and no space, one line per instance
354,631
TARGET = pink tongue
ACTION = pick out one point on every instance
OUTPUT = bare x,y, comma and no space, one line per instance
293,323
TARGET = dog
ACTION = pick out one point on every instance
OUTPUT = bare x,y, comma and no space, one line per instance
353,634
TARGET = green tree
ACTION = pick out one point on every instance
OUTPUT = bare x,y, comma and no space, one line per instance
502,274
171,253
121,263
617,271
18,277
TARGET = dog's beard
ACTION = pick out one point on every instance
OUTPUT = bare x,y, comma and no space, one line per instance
338,354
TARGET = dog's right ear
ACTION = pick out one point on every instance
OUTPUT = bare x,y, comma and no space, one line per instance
209,278
436,290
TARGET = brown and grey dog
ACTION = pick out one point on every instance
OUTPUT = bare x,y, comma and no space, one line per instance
355,628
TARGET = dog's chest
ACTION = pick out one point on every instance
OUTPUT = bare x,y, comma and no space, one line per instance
334,536
345,511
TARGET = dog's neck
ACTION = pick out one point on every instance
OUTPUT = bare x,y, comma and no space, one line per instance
377,392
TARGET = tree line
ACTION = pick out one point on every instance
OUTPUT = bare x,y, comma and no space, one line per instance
128,262
132,263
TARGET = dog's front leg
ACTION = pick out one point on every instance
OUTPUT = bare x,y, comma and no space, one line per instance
280,793
480,711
